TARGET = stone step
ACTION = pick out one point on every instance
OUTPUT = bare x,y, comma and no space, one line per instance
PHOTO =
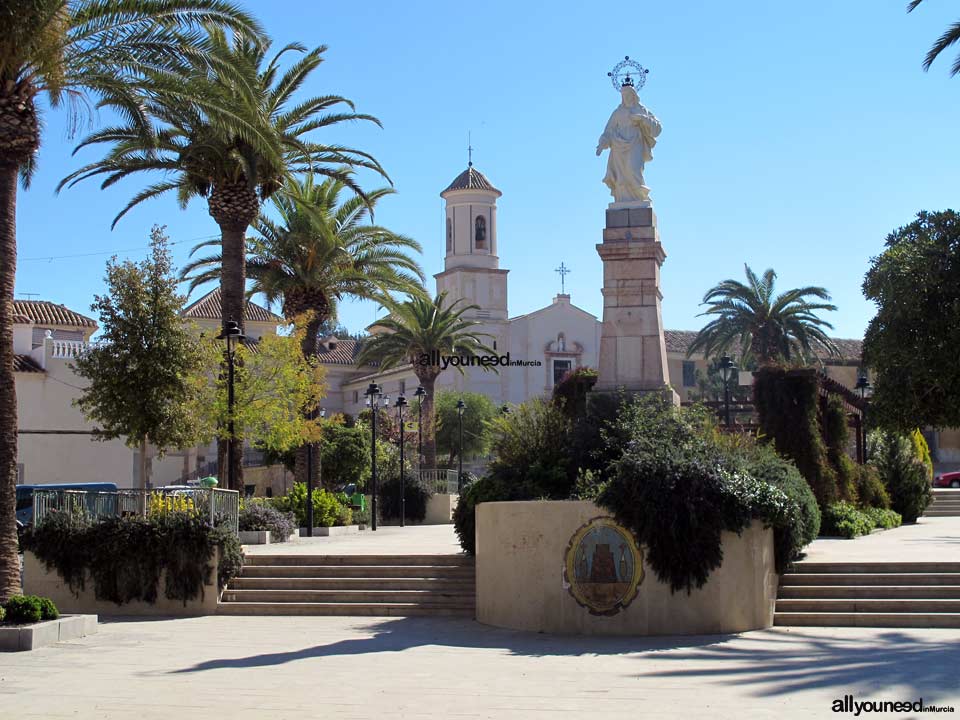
359,560
341,609
886,592
414,597
874,567
870,579
942,513
868,606
358,583
864,619
359,571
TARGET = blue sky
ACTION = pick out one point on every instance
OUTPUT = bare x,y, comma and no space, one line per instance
796,136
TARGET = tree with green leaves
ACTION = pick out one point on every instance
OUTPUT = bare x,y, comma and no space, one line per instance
477,415
321,250
275,388
137,372
82,53
911,343
755,323
415,331
233,136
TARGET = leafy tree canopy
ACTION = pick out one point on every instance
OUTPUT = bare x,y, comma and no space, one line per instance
477,415
911,344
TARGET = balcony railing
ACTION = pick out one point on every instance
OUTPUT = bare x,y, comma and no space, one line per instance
67,349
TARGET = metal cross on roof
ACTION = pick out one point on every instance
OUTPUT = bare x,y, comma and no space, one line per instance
469,150
563,270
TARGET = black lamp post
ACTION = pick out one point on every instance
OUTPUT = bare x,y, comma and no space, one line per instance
461,406
233,335
420,394
401,404
863,385
313,416
505,410
727,368
373,393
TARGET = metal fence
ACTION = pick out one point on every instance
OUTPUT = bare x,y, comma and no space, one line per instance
219,506
440,482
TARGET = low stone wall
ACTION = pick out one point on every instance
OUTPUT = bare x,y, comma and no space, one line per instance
37,580
523,578
30,637
440,509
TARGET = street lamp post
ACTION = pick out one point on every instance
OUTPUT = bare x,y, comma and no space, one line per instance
401,404
232,334
727,368
863,385
313,416
461,406
372,393
420,394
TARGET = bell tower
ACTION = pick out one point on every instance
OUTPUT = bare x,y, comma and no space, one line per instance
471,266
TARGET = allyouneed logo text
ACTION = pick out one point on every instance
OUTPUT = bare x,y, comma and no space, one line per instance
438,359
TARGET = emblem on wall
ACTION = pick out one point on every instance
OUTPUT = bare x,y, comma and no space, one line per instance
603,567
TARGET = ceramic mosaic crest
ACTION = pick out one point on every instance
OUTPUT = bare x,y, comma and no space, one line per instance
603,567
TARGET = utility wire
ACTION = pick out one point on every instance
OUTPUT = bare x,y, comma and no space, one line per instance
51,258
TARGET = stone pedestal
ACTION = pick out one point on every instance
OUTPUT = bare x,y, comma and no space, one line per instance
633,353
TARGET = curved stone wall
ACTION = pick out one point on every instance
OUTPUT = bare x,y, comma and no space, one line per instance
524,578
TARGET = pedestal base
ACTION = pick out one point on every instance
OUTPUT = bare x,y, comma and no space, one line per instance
633,354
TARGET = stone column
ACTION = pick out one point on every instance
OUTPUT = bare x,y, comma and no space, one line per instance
633,353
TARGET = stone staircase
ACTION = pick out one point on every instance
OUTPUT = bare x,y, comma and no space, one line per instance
870,594
370,585
946,503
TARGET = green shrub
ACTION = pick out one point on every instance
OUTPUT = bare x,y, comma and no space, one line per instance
486,489
327,510
844,520
904,475
870,488
921,450
881,518
415,494
837,438
23,609
803,522
125,556
570,394
257,515
3,613
47,609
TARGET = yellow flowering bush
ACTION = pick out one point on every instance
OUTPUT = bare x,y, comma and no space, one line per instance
163,504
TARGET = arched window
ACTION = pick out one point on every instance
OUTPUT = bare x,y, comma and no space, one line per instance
480,233
449,235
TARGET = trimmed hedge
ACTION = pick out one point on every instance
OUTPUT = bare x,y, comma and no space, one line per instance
28,609
415,494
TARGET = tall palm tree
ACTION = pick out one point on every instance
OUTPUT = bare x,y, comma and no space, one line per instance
74,50
321,249
767,327
950,37
414,331
233,136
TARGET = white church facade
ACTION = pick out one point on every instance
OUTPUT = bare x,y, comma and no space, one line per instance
549,342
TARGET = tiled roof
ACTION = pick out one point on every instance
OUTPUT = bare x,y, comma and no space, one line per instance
44,312
208,308
679,341
344,353
471,179
26,364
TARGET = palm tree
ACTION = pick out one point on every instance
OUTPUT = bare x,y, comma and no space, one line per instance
74,50
950,37
233,136
320,251
770,328
414,331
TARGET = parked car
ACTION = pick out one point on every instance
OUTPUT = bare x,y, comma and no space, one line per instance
24,503
947,480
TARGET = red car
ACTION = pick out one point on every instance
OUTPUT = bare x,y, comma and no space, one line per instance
950,480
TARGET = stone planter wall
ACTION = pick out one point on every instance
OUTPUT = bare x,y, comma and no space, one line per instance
332,531
37,580
31,637
521,549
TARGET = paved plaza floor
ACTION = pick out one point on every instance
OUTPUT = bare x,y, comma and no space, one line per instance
240,668
387,540
930,539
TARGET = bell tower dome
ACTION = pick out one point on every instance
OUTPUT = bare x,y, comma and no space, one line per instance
471,265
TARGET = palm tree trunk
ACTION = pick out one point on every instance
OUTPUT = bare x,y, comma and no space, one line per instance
9,562
233,205
429,435
309,348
